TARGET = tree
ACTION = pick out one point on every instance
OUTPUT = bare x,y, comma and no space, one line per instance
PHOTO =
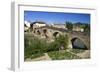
87,28
69,25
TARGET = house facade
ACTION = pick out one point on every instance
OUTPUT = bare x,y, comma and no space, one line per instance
59,25
38,24
78,28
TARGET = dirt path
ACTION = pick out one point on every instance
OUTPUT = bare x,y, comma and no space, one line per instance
85,54
42,58
47,56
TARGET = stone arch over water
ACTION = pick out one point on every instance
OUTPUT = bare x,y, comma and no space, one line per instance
78,44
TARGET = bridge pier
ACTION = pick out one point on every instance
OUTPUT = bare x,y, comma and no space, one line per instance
70,43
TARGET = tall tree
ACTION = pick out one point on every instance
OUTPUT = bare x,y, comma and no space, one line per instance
87,28
69,25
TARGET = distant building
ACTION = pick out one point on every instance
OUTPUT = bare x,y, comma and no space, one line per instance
59,25
27,23
78,28
38,24
26,26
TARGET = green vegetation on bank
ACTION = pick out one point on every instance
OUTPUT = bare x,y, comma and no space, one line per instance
77,51
62,55
36,47
57,50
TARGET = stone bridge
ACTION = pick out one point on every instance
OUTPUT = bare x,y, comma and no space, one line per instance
51,32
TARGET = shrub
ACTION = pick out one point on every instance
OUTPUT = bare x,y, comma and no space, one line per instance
33,47
62,41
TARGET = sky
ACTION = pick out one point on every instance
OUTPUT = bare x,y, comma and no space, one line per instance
56,17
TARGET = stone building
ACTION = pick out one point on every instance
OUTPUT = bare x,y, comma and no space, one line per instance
77,28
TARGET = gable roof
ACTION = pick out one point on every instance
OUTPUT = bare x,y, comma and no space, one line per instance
40,22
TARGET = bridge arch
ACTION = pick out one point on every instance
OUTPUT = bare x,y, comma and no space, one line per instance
56,33
77,43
